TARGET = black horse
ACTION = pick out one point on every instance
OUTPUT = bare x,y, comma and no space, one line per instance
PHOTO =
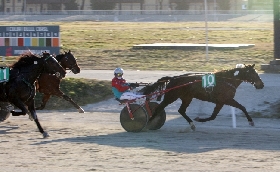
20,89
50,85
186,87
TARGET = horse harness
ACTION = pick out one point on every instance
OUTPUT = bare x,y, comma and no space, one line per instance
31,86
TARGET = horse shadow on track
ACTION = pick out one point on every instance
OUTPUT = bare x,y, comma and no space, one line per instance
168,138
9,130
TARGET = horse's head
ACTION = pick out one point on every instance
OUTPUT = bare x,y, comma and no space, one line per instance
249,74
52,66
68,61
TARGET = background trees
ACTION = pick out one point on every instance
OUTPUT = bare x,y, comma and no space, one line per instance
101,5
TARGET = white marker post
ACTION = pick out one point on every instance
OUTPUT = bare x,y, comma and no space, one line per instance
206,28
233,117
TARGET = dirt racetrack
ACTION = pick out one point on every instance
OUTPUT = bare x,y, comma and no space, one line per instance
95,140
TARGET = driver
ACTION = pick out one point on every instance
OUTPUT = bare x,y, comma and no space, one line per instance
121,88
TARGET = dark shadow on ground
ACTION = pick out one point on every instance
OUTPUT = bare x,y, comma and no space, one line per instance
170,138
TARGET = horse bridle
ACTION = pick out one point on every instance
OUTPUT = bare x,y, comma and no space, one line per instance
246,76
71,66
251,80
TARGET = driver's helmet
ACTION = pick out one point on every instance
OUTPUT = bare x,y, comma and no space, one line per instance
118,72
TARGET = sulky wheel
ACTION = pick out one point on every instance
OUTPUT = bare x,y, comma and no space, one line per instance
4,111
140,118
159,120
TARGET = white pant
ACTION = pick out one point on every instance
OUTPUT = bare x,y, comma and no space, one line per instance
131,96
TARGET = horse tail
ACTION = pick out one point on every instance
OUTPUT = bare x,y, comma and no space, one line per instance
157,86
164,79
162,82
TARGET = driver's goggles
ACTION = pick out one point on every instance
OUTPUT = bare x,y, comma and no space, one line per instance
119,74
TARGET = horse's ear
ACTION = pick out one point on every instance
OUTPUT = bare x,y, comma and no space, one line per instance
253,65
69,51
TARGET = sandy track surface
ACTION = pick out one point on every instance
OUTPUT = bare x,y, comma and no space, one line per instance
95,140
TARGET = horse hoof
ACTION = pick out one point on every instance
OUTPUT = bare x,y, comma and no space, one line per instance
30,117
192,126
196,119
251,123
81,110
45,135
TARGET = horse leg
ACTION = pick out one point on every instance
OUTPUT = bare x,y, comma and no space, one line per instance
19,104
31,108
217,109
67,98
234,103
45,99
158,109
182,111
60,94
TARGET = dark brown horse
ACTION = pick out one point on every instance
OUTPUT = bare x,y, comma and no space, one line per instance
20,90
50,85
187,87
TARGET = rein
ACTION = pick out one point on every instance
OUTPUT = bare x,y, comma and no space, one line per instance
45,61
30,86
169,89
242,80
47,58
229,84
26,82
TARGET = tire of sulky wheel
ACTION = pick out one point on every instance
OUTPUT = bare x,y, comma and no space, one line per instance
159,120
140,118
4,111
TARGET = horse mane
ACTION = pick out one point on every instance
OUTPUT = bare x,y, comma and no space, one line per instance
232,72
59,57
24,60
225,73
186,75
